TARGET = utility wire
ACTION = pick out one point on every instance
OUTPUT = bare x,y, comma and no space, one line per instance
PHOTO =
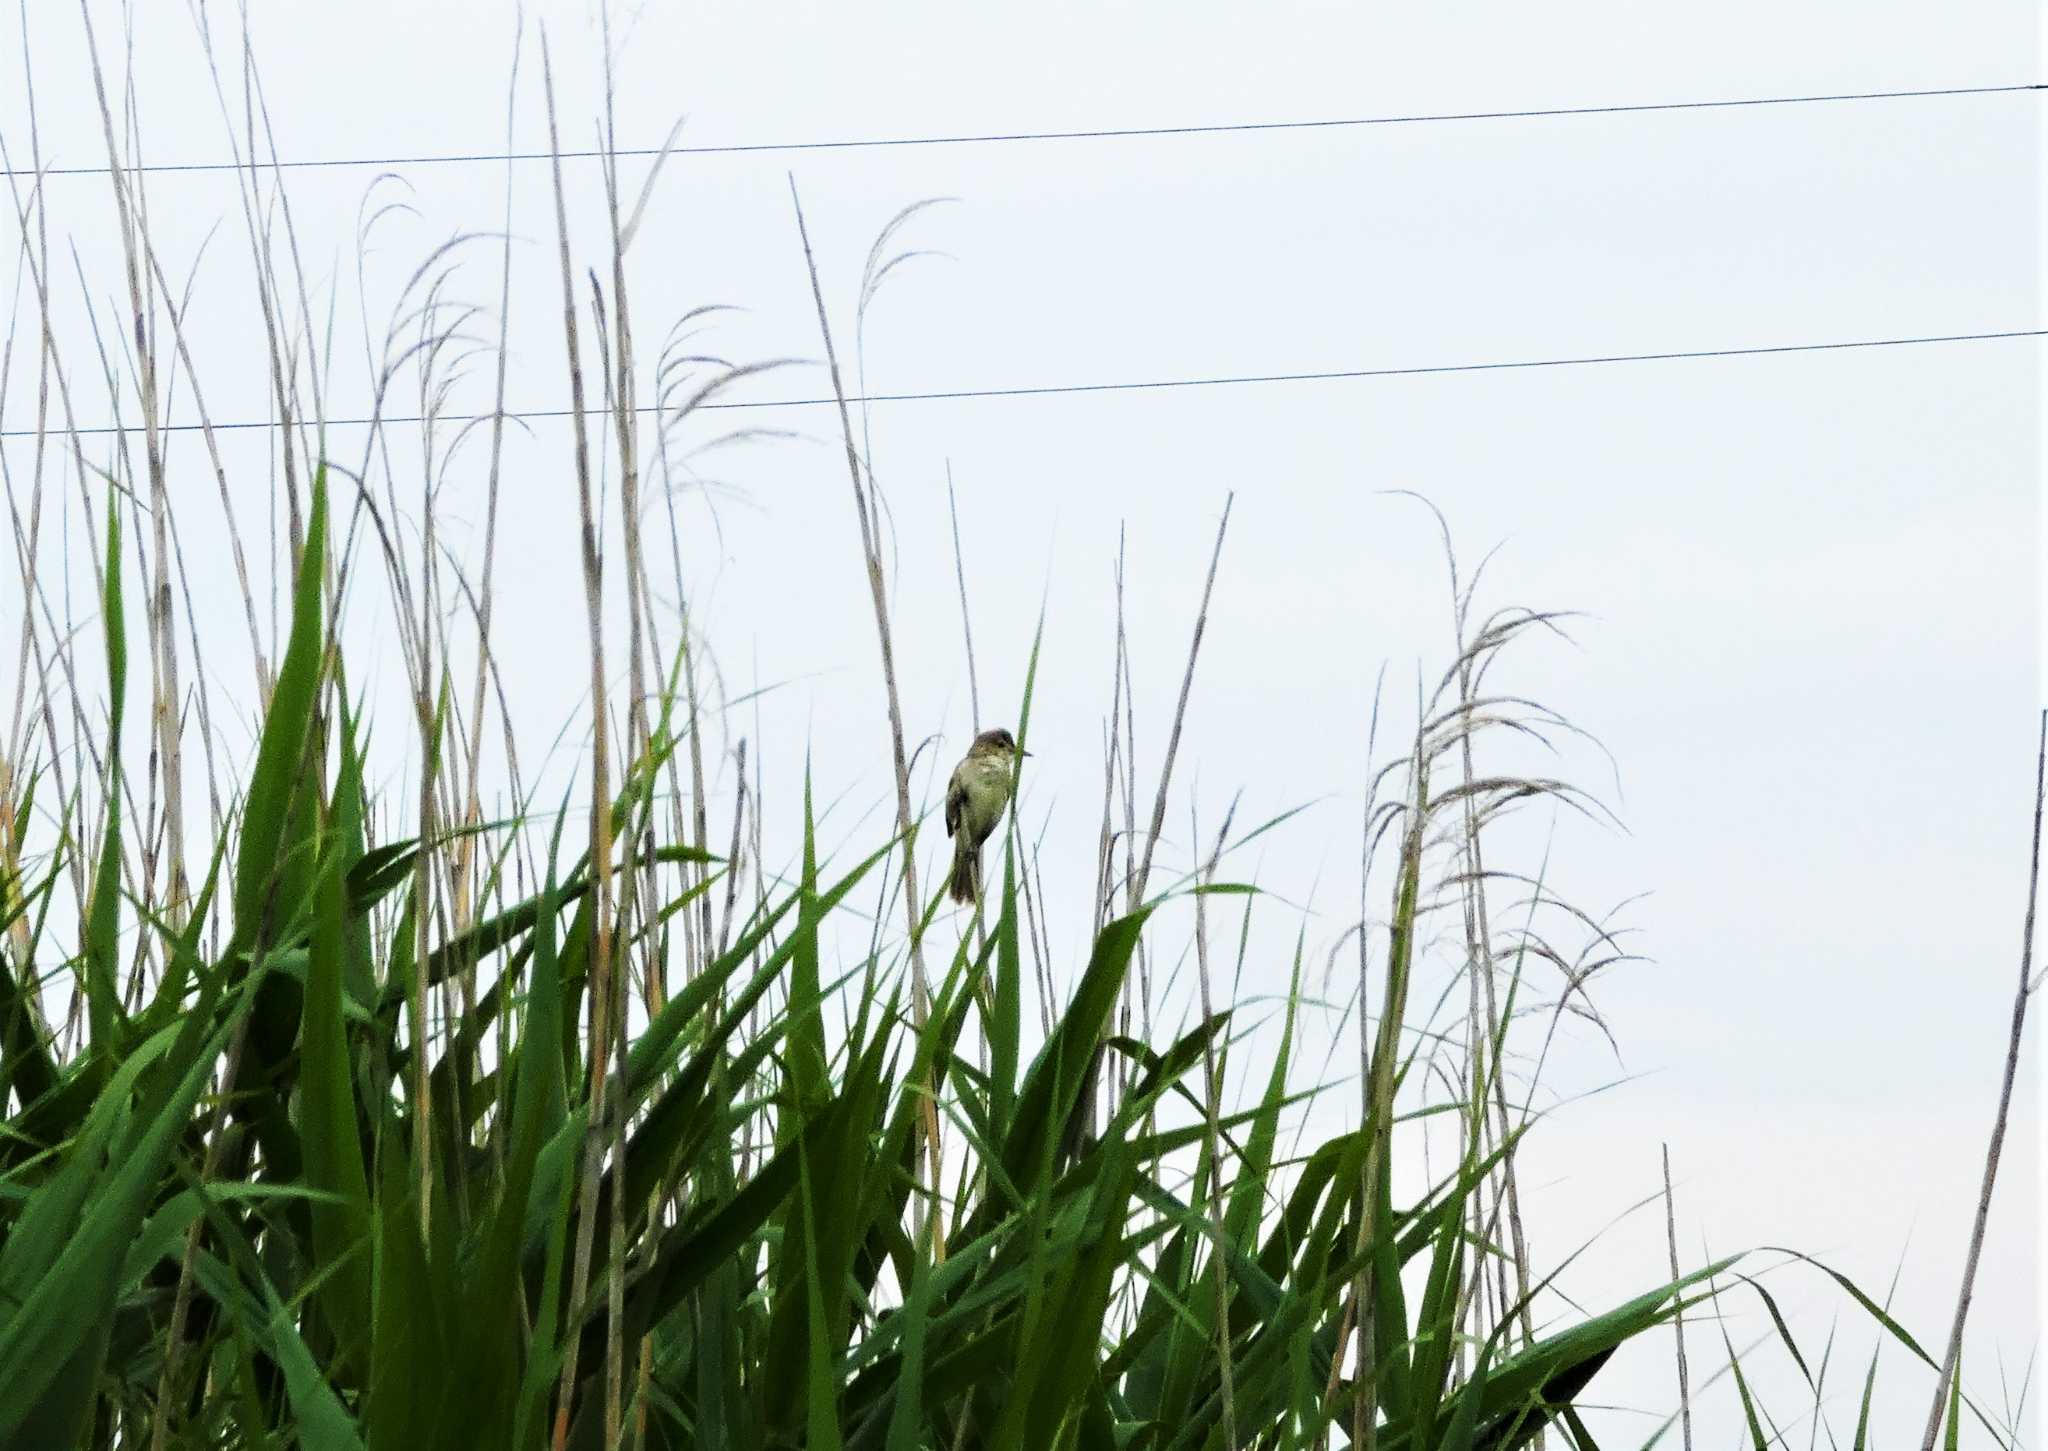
994,137
1137,386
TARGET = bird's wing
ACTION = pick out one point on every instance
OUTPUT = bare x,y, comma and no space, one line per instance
956,800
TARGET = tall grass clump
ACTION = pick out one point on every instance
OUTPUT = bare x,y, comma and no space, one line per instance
341,1115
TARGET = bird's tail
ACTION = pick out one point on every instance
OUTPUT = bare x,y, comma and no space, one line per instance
965,885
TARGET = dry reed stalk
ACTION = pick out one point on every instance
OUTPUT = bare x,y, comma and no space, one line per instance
282,382
1180,709
1485,1020
671,378
1212,1108
601,966
973,688
1112,757
162,638
906,824
1085,1111
58,663
696,934
966,621
207,433
1378,1086
1133,889
1034,922
1360,1285
754,817
472,807
1678,1312
13,832
701,955
425,707
638,885
116,784
1105,841
201,697
1992,1154
732,860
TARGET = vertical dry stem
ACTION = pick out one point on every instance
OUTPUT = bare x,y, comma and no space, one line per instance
1180,709
906,825
1678,1309
966,623
163,639
601,986
472,813
1991,1157
1212,1105
639,748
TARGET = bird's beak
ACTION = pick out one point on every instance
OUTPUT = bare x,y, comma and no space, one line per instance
1022,752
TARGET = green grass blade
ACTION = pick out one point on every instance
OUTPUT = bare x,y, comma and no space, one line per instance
333,1139
103,915
1053,1086
281,753
60,1269
807,1033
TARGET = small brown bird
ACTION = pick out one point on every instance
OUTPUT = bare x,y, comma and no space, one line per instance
975,800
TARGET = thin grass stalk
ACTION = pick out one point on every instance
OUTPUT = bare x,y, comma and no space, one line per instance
699,798
13,832
625,421
1479,932
1212,1109
472,810
696,926
601,967
1953,1355
58,663
1180,709
201,697
1678,1312
31,241
428,714
1034,922
639,886
163,639
1379,1107
732,860
167,840
248,184
699,952
384,368
1140,878
1133,890
314,393
906,824
1092,1080
966,620
973,687
1475,1118
745,1168
181,342
1105,883
1105,841
1483,966
116,782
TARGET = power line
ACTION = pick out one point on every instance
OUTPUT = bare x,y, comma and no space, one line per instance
1148,385
1101,134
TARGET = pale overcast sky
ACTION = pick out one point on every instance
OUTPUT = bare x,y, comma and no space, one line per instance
1810,580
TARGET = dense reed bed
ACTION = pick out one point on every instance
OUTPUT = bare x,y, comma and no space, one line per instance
342,1114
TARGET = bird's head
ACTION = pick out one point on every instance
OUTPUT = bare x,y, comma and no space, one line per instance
998,742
